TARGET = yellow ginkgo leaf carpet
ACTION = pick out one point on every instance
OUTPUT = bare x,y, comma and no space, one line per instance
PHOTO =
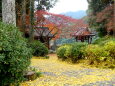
57,73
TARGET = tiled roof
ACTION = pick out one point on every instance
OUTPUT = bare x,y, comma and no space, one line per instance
42,31
83,31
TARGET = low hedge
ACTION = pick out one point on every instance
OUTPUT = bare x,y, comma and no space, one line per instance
39,49
101,54
73,51
96,54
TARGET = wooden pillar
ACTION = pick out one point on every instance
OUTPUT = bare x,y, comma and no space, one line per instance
76,39
82,38
48,42
91,40
88,39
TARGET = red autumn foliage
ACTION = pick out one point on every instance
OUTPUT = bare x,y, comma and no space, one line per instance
107,15
62,24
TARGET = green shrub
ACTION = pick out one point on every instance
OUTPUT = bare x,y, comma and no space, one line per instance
39,49
61,51
101,54
110,48
14,55
72,52
77,51
103,40
94,52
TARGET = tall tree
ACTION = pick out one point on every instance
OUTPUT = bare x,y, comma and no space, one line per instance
31,20
8,11
45,4
107,17
42,5
22,10
23,14
95,8
0,9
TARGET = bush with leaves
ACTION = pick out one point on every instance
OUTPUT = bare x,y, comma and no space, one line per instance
94,52
39,49
103,45
103,40
77,51
110,48
98,54
73,51
61,51
14,55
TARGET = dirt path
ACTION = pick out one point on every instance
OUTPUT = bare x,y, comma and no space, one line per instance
57,73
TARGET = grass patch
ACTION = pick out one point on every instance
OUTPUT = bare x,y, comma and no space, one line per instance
44,57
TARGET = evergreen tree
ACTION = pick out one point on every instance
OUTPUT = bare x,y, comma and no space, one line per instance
45,4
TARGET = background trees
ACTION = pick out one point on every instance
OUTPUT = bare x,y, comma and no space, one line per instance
25,12
97,9
45,4
107,17
58,24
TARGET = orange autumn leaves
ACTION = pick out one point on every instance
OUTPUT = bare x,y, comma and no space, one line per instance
58,24
54,30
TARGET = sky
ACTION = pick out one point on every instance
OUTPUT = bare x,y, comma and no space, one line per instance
63,6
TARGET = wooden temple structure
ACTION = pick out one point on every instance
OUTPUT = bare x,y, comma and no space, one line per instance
43,34
83,34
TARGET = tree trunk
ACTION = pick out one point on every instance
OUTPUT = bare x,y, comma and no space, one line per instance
31,20
8,12
114,22
23,20
0,9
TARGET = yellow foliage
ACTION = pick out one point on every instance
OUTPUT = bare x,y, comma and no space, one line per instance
57,67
